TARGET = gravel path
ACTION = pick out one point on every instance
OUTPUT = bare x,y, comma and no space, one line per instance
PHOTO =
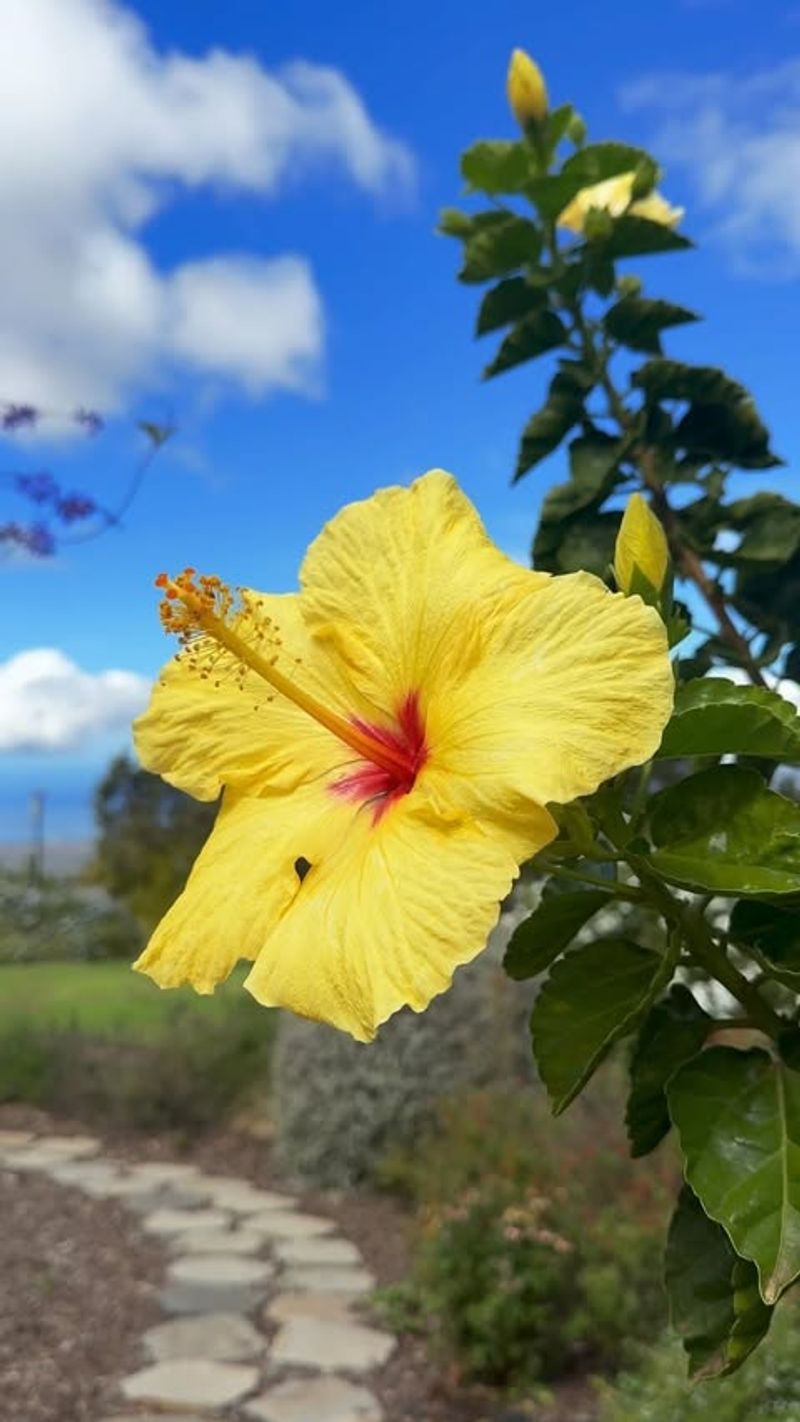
258,1312
78,1286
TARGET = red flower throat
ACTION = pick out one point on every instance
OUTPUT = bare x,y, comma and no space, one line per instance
375,783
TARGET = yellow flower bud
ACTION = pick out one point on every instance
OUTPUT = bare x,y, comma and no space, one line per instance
641,548
526,89
614,196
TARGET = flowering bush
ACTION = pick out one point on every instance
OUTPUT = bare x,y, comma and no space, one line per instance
538,1252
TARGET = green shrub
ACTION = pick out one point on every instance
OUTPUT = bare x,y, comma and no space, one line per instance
189,1075
340,1106
53,920
767,1387
540,1242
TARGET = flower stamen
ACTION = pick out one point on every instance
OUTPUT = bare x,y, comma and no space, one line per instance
198,608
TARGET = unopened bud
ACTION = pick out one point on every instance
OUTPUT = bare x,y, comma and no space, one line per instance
526,89
641,554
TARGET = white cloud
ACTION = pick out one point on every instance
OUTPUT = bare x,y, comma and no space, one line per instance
739,138
98,130
47,703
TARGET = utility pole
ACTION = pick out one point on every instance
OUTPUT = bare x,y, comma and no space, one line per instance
37,808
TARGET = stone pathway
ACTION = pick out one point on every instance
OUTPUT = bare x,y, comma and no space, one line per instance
260,1299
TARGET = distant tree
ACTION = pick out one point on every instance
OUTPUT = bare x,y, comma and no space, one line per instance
149,835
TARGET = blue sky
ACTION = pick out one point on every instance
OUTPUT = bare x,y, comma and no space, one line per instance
376,338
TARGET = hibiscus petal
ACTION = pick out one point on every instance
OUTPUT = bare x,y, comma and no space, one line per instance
202,733
408,588
582,690
245,878
385,921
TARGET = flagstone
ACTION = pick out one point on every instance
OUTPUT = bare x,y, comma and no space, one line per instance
70,1146
289,1224
163,1172
12,1140
330,1308
171,1221
222,1337
327,1279
191,1382
317,1343
241,1197
214,1283
317,1251
325,1399
216,1241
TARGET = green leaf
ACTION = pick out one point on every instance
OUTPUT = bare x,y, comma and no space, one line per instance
673,1032
556,125
722,421
639,237
734,433
771,527
714,716
738,1118
715,1305
593,459
598,161
560,413
772,935
537,942
723,831
592,997
507,302
455,223
674,380
500,246
584,542
638,323
497,166
531,337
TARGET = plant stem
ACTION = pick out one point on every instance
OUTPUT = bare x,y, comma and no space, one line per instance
610,886
688,563
708,952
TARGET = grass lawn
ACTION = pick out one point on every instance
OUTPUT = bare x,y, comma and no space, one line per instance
102,998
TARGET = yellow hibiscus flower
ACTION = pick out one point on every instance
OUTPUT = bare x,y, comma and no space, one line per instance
387,741
614,196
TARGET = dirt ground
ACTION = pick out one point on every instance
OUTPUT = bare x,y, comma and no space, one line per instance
78,1285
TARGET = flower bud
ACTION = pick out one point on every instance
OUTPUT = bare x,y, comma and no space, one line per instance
641,554
526,89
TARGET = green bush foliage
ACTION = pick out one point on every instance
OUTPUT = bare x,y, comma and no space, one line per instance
539,1249
340,1107
50,920
189,1075
768,1388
